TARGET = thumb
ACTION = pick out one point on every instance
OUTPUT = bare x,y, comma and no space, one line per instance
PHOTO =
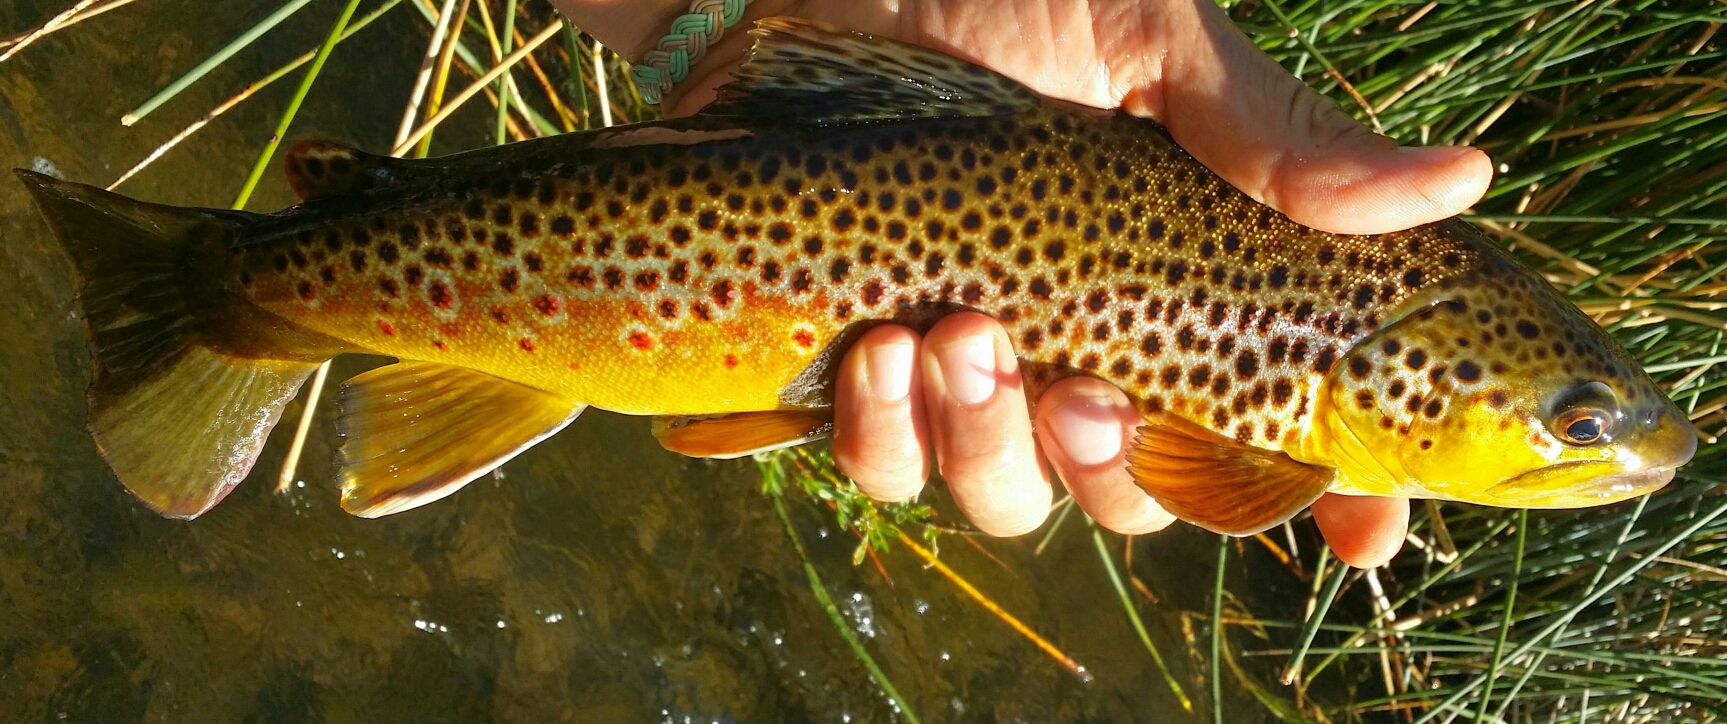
1262,129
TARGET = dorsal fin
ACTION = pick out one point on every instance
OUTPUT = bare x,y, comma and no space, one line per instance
319,168
815,72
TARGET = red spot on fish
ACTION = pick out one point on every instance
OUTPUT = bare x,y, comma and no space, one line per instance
306,291
641,340
731,361
547,304
387,328
526,344
500,316
804,338
440,345
575,366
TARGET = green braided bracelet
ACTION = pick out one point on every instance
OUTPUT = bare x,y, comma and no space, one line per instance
669,62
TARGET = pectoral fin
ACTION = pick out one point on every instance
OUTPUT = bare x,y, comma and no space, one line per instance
1217,483
416,432
741,433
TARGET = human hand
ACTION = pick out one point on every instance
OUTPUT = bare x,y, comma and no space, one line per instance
957,390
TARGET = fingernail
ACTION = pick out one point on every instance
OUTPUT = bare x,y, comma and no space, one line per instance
888,369
968,368
1435,155
1087,429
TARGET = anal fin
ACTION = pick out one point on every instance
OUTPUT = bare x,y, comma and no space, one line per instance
741,433
416,432
1217,483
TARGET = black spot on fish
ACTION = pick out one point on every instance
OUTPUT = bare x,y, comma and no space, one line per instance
1247,365
1327,357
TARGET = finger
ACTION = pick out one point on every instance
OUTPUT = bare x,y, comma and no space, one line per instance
1364,532
1244,116
980,426
881,437
1086,426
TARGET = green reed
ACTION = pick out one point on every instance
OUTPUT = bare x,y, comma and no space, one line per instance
1607,122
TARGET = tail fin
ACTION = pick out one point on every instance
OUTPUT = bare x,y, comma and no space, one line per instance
179,422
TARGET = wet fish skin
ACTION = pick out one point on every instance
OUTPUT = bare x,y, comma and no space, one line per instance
721,264
633,277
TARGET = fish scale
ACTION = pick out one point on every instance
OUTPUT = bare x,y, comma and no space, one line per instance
711,271
718,272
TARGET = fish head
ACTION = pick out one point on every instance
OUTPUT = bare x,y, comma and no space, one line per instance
1499,393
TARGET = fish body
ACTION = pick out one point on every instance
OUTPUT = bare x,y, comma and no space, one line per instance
722,264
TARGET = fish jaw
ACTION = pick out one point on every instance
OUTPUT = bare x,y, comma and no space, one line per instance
1579,484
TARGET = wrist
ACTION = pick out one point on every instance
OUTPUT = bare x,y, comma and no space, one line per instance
634,30
626,27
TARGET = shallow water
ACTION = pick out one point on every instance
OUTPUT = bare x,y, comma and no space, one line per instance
595,578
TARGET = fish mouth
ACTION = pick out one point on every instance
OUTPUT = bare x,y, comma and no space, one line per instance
1580,484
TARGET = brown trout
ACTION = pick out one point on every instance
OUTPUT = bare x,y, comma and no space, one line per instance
712,270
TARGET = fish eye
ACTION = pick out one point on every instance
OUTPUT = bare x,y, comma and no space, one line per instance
1585,415
1583,427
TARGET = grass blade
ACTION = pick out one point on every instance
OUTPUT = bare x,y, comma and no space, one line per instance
219,57
1064,508
1580,605
1292,669
441,76
478,85
246,93
472,66
1510,610
57,24
601,81
994,608
504,87
821,594
291,462
578,89
1217,632
428,64
294,104
58,21
1133,616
